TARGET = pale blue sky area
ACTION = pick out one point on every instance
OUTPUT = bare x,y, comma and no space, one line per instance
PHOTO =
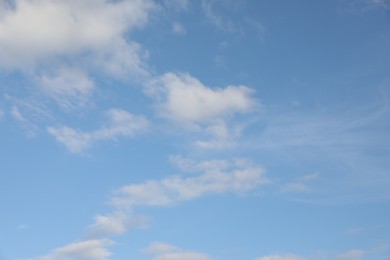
194,130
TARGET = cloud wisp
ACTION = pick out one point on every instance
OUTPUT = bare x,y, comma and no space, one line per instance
82,250
163,251
237,176
121,124
212,178
282,257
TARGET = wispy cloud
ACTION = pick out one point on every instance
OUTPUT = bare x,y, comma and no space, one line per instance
362,6
212,178
239,176
86,250
215,18
116,223
282,257
301,184
70,87
352,145
163,251
121,124
355,254
29,126
179,5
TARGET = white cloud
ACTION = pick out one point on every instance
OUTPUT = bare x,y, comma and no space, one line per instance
220,135
116,223
282,257
34,31
239,176
68,86
121,123
163,251
214,177
354,254
84,250
210,112
185,99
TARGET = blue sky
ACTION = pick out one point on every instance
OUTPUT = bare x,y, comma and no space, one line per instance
194,130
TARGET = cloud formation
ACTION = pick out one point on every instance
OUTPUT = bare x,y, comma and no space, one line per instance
211,112
84,250
34,31
121,123
239,176
116,223
212,177
185,99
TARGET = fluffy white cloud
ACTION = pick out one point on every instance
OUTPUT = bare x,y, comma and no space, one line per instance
32,31
84,250
185,99
207,111
163,251
238,176
282,257
60,43
121,123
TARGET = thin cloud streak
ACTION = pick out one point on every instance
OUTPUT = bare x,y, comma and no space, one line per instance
121,124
